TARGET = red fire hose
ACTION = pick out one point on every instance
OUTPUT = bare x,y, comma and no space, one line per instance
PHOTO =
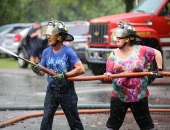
61,113
101,77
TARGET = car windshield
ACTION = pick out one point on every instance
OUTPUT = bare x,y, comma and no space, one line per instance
148,6
77,29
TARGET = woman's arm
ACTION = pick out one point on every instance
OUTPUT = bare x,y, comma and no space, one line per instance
158,58
77,70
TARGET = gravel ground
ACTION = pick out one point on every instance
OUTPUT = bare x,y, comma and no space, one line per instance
90,121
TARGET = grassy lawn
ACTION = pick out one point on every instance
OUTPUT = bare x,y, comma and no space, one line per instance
8,63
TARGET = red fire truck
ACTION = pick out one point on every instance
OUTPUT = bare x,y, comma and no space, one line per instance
151,19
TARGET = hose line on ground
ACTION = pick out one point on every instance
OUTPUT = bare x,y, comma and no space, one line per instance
79,106
12,121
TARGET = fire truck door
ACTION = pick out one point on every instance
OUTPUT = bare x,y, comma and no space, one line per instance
162,25
162,21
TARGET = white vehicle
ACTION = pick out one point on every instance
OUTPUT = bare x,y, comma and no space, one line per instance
5,29
15,36
79,30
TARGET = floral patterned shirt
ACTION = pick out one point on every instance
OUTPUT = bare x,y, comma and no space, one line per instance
130,89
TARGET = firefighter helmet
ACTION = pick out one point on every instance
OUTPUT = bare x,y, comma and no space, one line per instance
57,27
125,30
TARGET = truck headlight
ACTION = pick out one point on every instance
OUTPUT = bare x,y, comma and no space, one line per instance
149,22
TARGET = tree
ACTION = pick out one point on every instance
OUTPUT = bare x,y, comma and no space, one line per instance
129,5
8,14
17,11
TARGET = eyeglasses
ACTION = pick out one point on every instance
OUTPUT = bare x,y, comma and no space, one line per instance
120,37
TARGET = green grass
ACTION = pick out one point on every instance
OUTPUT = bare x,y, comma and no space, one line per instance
12,63
8,63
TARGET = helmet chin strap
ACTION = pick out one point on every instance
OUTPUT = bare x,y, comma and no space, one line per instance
123,45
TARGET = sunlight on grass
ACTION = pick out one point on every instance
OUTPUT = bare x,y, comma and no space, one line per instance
8,63
12,63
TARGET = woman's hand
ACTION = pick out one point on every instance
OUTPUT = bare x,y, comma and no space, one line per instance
107,77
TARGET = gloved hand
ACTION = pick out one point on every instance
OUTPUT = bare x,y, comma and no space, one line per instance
60,76
158,73
36,68
107,77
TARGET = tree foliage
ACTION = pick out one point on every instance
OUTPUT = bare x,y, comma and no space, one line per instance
16,11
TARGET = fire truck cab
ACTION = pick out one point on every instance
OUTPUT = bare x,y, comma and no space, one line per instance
151,20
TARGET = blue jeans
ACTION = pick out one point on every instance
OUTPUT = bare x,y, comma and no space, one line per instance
67,98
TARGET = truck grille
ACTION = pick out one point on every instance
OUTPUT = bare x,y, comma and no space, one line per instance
97,32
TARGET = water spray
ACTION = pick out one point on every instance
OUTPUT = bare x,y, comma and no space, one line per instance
43,68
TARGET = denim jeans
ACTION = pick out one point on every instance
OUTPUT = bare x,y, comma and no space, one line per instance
140,111
68,100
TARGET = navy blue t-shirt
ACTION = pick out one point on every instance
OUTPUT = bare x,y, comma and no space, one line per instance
34,42
62,61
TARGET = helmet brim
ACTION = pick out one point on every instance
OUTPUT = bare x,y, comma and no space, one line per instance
69,37
137,38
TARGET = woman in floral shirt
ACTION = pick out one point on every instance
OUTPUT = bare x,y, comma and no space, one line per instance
130,93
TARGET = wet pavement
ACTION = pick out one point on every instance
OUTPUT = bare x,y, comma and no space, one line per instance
21,91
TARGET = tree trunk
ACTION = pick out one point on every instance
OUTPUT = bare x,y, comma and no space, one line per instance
129,5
